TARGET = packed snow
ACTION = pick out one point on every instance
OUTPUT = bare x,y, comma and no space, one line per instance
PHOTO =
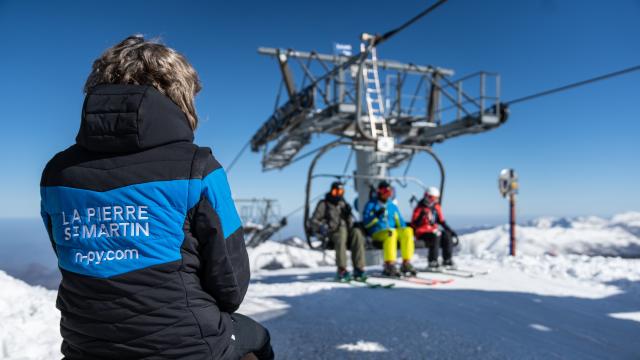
550,301
29,321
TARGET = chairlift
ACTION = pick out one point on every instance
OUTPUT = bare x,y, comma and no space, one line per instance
322,243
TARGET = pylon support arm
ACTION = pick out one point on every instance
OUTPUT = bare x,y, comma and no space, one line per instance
340,59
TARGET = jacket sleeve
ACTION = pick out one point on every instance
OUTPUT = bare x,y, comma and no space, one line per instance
46,218
225,264
417,217
318,217
440,219
369,216
400,223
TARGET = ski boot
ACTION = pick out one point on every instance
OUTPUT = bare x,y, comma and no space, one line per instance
360,275
449,265
390,270
407,269
343,275
434,266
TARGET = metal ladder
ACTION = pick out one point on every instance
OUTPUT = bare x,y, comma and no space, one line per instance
373,96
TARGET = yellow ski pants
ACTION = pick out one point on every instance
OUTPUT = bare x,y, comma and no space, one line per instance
390,238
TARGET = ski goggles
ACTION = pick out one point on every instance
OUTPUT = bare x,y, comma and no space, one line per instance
431,198
385,192
336,192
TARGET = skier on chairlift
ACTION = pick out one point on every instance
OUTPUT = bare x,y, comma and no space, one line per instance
332,218
386,226
430,227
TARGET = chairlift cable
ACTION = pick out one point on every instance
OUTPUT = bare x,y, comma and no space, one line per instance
377,41
393,32
244,148
573,85
235,159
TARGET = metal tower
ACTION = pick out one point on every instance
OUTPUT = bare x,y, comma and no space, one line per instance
343,96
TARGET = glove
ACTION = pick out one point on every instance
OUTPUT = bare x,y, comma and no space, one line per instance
454,239
380,212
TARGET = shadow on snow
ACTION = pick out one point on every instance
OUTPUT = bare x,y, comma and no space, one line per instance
428,323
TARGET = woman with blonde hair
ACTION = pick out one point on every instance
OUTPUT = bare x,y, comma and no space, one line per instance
148,240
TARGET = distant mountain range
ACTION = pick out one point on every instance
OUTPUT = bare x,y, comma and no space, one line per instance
587,235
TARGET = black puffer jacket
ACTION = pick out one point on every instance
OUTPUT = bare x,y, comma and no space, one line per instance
148,239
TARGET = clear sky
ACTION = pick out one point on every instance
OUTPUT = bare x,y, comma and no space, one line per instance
576,152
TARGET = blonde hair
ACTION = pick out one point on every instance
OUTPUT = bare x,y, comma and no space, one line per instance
141,62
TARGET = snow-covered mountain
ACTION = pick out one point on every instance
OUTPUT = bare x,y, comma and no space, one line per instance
593,236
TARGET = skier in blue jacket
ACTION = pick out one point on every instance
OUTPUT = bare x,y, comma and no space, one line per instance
385,224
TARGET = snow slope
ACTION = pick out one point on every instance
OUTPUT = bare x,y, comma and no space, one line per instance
29,321
618,236
545,303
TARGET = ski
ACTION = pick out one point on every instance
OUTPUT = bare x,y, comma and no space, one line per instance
426,281
414,279
371,285
475,272
458,272
367,284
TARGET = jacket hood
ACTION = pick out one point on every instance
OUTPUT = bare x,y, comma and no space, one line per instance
121,118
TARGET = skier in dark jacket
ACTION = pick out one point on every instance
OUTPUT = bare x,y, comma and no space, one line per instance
431,228
148,239
333,218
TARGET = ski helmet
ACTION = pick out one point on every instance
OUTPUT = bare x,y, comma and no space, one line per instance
432,191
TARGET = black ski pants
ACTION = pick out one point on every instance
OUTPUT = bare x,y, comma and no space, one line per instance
434,242
249,337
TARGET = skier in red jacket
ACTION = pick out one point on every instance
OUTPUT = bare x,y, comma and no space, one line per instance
430,227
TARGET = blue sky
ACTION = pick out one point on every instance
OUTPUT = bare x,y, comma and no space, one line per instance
576,152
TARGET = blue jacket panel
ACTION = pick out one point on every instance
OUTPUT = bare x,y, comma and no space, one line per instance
389,219
107,233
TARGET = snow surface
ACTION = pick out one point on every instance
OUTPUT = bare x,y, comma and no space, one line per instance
548,302
29,321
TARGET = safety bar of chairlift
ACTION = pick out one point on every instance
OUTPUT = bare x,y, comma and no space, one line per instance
375,177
